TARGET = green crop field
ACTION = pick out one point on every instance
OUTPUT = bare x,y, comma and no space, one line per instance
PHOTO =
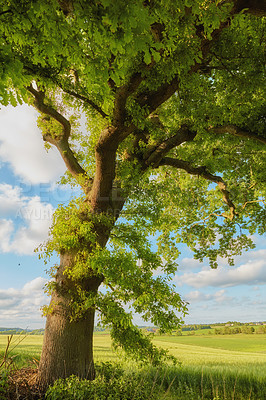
231,367
233,343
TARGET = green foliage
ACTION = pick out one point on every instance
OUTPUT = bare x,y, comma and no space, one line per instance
112,382
186,383
3,384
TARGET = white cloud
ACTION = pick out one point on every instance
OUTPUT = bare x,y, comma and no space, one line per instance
196,296
21,307
38,218
189,263
6,228
10,199
30,221
251,273
22,146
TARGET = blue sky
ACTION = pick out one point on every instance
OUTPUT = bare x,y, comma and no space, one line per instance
28,196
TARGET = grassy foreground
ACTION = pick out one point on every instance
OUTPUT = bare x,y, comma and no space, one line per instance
213,368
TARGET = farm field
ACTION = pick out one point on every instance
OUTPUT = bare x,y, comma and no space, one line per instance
243,353
225,364
240,342
224,349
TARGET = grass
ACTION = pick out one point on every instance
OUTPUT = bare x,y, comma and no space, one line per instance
23,348
240,342
223,367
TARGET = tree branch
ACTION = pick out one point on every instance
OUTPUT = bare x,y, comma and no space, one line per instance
82,98
201,171
122,95
6,12
61,142
49,110
154,99
52,76
155,154
236,131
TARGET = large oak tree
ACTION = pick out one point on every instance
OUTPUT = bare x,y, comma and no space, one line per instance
172,91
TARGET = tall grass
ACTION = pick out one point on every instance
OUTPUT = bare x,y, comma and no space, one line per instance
170,383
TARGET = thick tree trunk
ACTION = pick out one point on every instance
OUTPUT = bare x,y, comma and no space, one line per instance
68,345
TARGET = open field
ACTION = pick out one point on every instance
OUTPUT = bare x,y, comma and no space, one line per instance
223,367
241,342
190,350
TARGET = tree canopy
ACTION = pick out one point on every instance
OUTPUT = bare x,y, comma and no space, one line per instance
174,98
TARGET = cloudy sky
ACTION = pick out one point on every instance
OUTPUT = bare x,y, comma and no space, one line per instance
28,196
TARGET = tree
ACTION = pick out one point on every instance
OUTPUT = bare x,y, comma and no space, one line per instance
173,96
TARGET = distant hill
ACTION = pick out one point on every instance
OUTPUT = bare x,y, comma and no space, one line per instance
17,331
11,329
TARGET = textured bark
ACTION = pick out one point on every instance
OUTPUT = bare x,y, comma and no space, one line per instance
68,345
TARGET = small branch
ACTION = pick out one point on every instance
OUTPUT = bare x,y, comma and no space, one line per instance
110,286
252,201
84,99
223,65
52,76
5,12
236,131
5,357
201,171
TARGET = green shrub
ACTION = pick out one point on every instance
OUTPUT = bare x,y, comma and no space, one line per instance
111,383
3,384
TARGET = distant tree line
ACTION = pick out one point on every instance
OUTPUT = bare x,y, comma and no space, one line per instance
6,331
195,327
239,329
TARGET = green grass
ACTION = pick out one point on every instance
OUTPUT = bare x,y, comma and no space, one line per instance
213,367
23,348
241,353
248,343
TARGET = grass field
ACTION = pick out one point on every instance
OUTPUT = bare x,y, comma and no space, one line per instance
206,350
233,366
241,342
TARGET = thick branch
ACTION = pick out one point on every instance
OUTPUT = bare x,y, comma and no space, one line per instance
152,100
122,95
61,142
157,152
236,131
49,110
201,171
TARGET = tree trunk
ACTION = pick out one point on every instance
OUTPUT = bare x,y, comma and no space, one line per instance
68,345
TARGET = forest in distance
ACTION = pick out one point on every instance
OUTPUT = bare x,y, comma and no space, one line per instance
230,327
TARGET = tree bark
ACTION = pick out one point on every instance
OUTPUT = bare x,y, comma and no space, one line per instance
68,344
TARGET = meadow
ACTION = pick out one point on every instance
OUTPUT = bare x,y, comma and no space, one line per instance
212,367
